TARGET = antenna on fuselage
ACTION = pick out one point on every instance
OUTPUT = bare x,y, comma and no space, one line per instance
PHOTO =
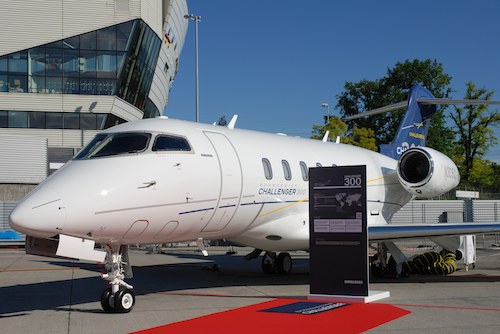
232,122
325,137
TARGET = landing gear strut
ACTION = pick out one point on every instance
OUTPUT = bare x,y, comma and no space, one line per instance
281,264
119,297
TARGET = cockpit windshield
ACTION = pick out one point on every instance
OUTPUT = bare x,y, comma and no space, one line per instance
108,144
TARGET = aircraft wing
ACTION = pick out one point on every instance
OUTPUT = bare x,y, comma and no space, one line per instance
409,231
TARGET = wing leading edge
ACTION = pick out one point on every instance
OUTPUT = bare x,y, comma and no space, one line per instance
380,233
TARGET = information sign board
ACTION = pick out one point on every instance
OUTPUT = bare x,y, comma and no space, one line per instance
338,231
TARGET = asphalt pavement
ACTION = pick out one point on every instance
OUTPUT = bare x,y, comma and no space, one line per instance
45,295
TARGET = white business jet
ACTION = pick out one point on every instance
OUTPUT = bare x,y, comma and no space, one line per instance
161,180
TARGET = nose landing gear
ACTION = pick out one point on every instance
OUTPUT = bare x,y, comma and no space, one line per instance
118,298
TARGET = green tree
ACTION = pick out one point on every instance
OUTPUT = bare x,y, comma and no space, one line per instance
495,188
474,134
336,126
440,136
392,88
362,137
482,175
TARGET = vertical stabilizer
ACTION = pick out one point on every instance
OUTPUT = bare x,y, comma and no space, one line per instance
414,126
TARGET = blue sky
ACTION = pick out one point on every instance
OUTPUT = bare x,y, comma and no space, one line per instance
274,62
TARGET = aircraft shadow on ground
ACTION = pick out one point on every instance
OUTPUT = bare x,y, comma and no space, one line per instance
197,272
64,295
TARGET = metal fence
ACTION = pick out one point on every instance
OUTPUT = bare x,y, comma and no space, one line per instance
6,208
430,212
485,211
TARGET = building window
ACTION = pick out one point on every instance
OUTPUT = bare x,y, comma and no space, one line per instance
18,119
17,83
53,84
3,64
54,61
4,84
88,121
117,60
304,170
286,170
106,38
54,120
36,120
4,120
88,41
37,84
268,172
57,120
123,32
18,63
37,61
71,64
71,120
72,43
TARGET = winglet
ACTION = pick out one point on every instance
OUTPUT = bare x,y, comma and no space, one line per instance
232,123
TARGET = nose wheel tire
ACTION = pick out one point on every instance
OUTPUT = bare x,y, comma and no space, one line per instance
122,301
107,301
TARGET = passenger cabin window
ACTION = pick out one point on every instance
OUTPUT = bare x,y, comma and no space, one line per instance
268,172
286,170
304,170
171,143
109,144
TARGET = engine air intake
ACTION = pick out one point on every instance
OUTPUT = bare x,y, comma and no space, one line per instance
414,166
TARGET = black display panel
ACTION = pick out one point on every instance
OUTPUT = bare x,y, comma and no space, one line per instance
338,231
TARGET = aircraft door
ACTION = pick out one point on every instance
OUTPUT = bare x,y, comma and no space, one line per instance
231,182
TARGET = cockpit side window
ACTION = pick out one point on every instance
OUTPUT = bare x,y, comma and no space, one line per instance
105,145
171,143
91,146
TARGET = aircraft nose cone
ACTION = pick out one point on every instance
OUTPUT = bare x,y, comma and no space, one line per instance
41,214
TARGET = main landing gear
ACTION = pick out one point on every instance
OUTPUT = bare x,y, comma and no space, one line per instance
272,263
280,264
118,298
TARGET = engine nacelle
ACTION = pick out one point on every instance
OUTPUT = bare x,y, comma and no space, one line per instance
425,172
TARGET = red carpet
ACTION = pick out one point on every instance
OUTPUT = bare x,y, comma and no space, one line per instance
289,316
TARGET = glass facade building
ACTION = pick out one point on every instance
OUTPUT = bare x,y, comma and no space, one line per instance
116,60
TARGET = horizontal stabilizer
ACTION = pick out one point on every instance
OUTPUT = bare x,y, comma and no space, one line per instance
450,101
391,107
412,131
433,101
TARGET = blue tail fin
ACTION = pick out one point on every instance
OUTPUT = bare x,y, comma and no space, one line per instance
414,126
